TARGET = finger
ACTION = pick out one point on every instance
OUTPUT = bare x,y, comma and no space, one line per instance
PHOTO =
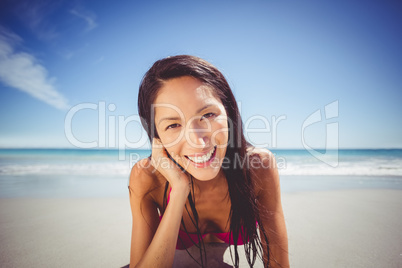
156,147
155,154
178,159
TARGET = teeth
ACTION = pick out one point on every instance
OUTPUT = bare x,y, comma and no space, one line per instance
204,158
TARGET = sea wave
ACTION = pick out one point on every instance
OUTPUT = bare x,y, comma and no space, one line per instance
87,169
106,163
123,169
355,168
339,171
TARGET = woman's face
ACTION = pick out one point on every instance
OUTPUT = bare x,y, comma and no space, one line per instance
192,125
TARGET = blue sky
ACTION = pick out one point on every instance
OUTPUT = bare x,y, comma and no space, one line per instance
284,60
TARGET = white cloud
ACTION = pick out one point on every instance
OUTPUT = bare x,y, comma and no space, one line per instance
22,71
88,17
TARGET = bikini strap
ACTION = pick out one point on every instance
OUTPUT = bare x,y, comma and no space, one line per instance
168,197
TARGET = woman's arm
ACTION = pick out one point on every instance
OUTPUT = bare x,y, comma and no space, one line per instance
153,244
270,205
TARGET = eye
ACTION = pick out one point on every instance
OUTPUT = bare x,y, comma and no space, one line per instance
172,126
208,115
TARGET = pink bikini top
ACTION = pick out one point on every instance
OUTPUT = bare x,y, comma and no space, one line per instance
186,240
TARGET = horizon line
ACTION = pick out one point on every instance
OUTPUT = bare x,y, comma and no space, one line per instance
146,149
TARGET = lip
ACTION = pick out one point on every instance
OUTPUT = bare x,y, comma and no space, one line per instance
201,154
205,164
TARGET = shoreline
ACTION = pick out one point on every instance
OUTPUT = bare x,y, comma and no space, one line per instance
307,183
49,186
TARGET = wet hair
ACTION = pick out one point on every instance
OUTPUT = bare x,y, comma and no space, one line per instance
244,212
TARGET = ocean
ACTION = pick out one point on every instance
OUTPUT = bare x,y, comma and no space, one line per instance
88,173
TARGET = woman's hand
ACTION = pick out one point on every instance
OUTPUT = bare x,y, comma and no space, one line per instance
160,160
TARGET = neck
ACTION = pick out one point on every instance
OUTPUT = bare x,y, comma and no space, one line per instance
210,185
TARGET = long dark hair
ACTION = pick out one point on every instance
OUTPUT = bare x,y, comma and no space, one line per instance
244,212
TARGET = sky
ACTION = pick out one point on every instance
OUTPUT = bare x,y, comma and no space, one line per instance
306,73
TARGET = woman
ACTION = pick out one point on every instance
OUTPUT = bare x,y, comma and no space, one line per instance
203,182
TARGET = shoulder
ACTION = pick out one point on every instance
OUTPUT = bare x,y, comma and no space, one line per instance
264,172
261,162
261,158
144,178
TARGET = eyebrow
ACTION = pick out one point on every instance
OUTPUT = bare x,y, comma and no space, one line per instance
169,119
178,118
203,108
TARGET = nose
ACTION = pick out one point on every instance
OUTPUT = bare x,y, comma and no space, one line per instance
198,135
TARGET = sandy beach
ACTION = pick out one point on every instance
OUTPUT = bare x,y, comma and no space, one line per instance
80,232
350,228
341,228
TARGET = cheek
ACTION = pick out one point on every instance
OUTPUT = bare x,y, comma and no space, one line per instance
171,138
220,133
173,151
171,141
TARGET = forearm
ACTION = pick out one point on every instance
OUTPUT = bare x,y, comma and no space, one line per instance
160,252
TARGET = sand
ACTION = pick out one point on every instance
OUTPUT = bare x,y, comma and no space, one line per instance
342,228
357,228
65,232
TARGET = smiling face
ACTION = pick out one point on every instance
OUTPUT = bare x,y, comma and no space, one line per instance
192,124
